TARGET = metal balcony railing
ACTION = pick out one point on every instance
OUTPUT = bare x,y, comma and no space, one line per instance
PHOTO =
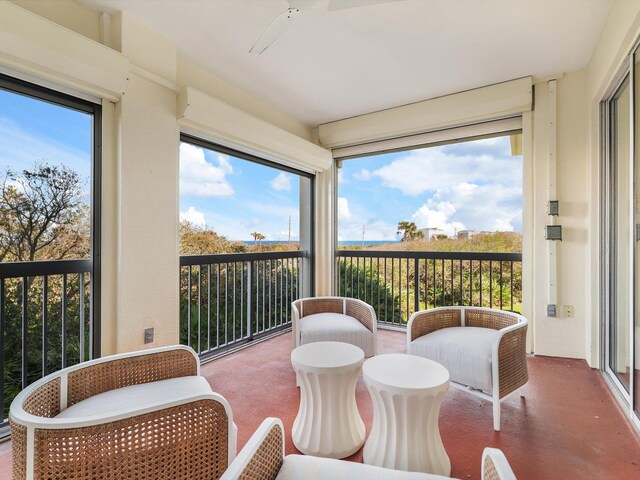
397,284
227,300
46,322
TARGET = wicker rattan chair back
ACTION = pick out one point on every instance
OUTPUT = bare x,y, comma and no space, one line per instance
189,439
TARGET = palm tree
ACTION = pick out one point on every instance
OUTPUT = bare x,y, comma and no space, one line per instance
257,238
408,229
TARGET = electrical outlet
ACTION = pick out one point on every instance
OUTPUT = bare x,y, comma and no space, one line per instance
148,335
568,311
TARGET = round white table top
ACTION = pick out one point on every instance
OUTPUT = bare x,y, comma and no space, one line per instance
326,355
404,372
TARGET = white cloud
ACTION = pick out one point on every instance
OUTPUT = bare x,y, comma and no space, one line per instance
201,178
343,209
342,178
432,169
474,207
437,217
282,182
362,175
193,216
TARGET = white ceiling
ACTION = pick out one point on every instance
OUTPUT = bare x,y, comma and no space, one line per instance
331,65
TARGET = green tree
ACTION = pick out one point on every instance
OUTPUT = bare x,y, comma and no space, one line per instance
43,215
196,240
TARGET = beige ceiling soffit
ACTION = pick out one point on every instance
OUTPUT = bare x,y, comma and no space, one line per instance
472,106
546,78
215,120
154,78
36,46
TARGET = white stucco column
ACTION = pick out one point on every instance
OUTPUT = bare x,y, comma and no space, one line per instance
147,273
324,232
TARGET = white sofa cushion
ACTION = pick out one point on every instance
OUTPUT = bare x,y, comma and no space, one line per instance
139,396
464,351
304,467
336,327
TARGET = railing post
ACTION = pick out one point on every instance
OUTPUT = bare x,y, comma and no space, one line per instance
249,297
416,284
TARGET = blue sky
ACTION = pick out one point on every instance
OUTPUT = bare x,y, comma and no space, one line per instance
474,185
236,197
32,130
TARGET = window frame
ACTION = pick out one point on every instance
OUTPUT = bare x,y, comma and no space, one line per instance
212,146
38,92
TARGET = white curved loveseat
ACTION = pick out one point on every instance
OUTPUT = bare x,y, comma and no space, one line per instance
263,458
337,319
143,415
484,349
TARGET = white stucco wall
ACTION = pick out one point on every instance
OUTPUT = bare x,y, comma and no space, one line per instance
561,336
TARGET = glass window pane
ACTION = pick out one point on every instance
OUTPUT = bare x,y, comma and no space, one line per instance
45,170
619,340
434,198
230,204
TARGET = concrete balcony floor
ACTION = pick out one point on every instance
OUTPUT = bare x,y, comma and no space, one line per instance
567,426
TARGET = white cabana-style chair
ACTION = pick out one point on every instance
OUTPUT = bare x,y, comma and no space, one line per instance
337,319
142,415
484,349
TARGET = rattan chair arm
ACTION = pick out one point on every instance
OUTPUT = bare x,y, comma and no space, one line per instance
495,465
295,319
510,359
262,456
363,312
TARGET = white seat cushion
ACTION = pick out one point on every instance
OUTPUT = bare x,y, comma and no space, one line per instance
303,467
336,327
138,396
464,351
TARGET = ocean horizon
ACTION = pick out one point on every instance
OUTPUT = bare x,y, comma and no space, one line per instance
341,243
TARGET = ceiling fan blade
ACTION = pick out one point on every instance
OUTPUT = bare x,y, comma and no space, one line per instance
344,4
273,31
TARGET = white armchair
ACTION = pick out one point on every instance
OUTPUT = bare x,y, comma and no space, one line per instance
484,349
143,415
336,319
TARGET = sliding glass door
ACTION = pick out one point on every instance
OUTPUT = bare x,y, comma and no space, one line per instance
635,241
619,361
621,234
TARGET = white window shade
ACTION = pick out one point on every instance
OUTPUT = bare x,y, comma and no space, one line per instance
500,101
212,119
36,46
484,129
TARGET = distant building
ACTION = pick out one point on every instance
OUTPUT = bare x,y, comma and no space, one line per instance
466,234
429,233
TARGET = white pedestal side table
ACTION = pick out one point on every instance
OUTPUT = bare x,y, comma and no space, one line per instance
328,422
407,392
